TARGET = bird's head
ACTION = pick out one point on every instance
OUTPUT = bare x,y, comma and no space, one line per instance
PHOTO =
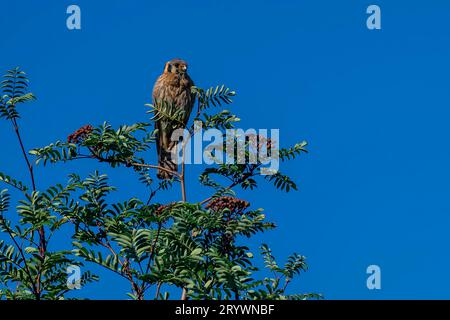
176,66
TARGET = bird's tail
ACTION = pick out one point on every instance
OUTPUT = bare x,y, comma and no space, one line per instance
166,162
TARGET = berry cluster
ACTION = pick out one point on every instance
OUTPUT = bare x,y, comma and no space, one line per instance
160,210
163,207
265,142
261,141
233,204
80,135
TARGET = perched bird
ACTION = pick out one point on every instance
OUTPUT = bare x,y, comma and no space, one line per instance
173,87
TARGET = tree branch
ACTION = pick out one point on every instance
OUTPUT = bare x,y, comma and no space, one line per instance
41,231
27,269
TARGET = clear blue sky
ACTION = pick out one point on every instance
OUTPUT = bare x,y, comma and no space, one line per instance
373,105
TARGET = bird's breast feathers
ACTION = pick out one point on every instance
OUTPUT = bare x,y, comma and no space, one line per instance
169,86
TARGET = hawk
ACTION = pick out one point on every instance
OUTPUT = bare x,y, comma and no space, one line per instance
173,87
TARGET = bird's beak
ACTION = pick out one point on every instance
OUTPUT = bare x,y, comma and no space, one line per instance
184,68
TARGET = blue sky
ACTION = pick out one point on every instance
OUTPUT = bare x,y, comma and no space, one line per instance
373,105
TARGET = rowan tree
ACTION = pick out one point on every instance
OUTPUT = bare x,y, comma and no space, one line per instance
199,247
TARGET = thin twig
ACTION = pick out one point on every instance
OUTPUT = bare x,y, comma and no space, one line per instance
30,167
153,249
183,196
144,165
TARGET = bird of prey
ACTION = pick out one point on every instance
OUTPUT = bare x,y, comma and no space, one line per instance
172,88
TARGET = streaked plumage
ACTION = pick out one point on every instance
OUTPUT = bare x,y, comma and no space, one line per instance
173,87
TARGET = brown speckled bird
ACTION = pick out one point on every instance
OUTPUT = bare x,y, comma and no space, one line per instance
173,87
